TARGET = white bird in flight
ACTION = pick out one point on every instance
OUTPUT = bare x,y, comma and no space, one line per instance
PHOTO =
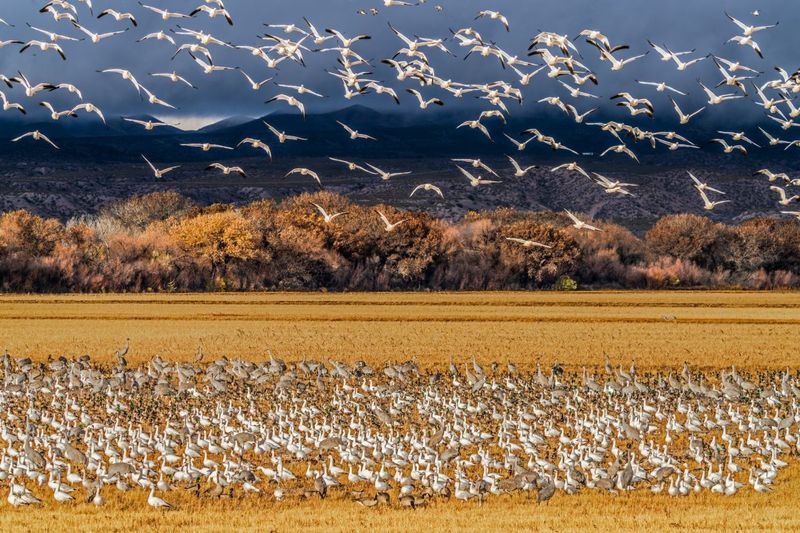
528,243
328,218
390,226
36,135
354,134
578,224
427,187
158,173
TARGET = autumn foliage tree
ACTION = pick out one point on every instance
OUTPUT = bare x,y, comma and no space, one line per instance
221,238
164,242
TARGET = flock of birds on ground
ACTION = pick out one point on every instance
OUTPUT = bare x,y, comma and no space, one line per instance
76,431
551,55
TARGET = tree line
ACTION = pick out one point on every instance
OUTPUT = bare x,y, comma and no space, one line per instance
164,242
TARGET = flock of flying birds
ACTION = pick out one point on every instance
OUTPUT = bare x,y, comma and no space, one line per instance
77,431
551,55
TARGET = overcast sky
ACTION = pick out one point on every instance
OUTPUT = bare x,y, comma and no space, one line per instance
682,25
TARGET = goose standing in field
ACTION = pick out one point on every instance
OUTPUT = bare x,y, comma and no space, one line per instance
158,173
389,226
155,501
227,170
36,135
525,243
427,187
353,134
578,224
328,217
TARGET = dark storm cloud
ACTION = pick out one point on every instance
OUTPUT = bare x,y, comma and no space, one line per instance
682,25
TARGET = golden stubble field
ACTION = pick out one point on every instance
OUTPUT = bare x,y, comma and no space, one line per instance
708,329
652,329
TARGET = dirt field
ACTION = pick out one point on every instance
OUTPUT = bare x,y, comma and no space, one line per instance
713,329
708,329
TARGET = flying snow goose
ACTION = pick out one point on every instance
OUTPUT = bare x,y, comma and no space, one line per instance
282,136
578,224
683,117
785,200
36,135
227,170
701,186
526,243
158,173
164,14
327,217
290,100
256,143
305,172
708,205
118,16
520,172
389,226
206,146
475,181
494,15
353,166
427,187
354,134
386,176
174,77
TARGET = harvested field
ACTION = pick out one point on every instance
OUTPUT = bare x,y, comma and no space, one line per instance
709,329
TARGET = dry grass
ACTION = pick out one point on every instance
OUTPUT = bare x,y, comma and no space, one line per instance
711,329
637,511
